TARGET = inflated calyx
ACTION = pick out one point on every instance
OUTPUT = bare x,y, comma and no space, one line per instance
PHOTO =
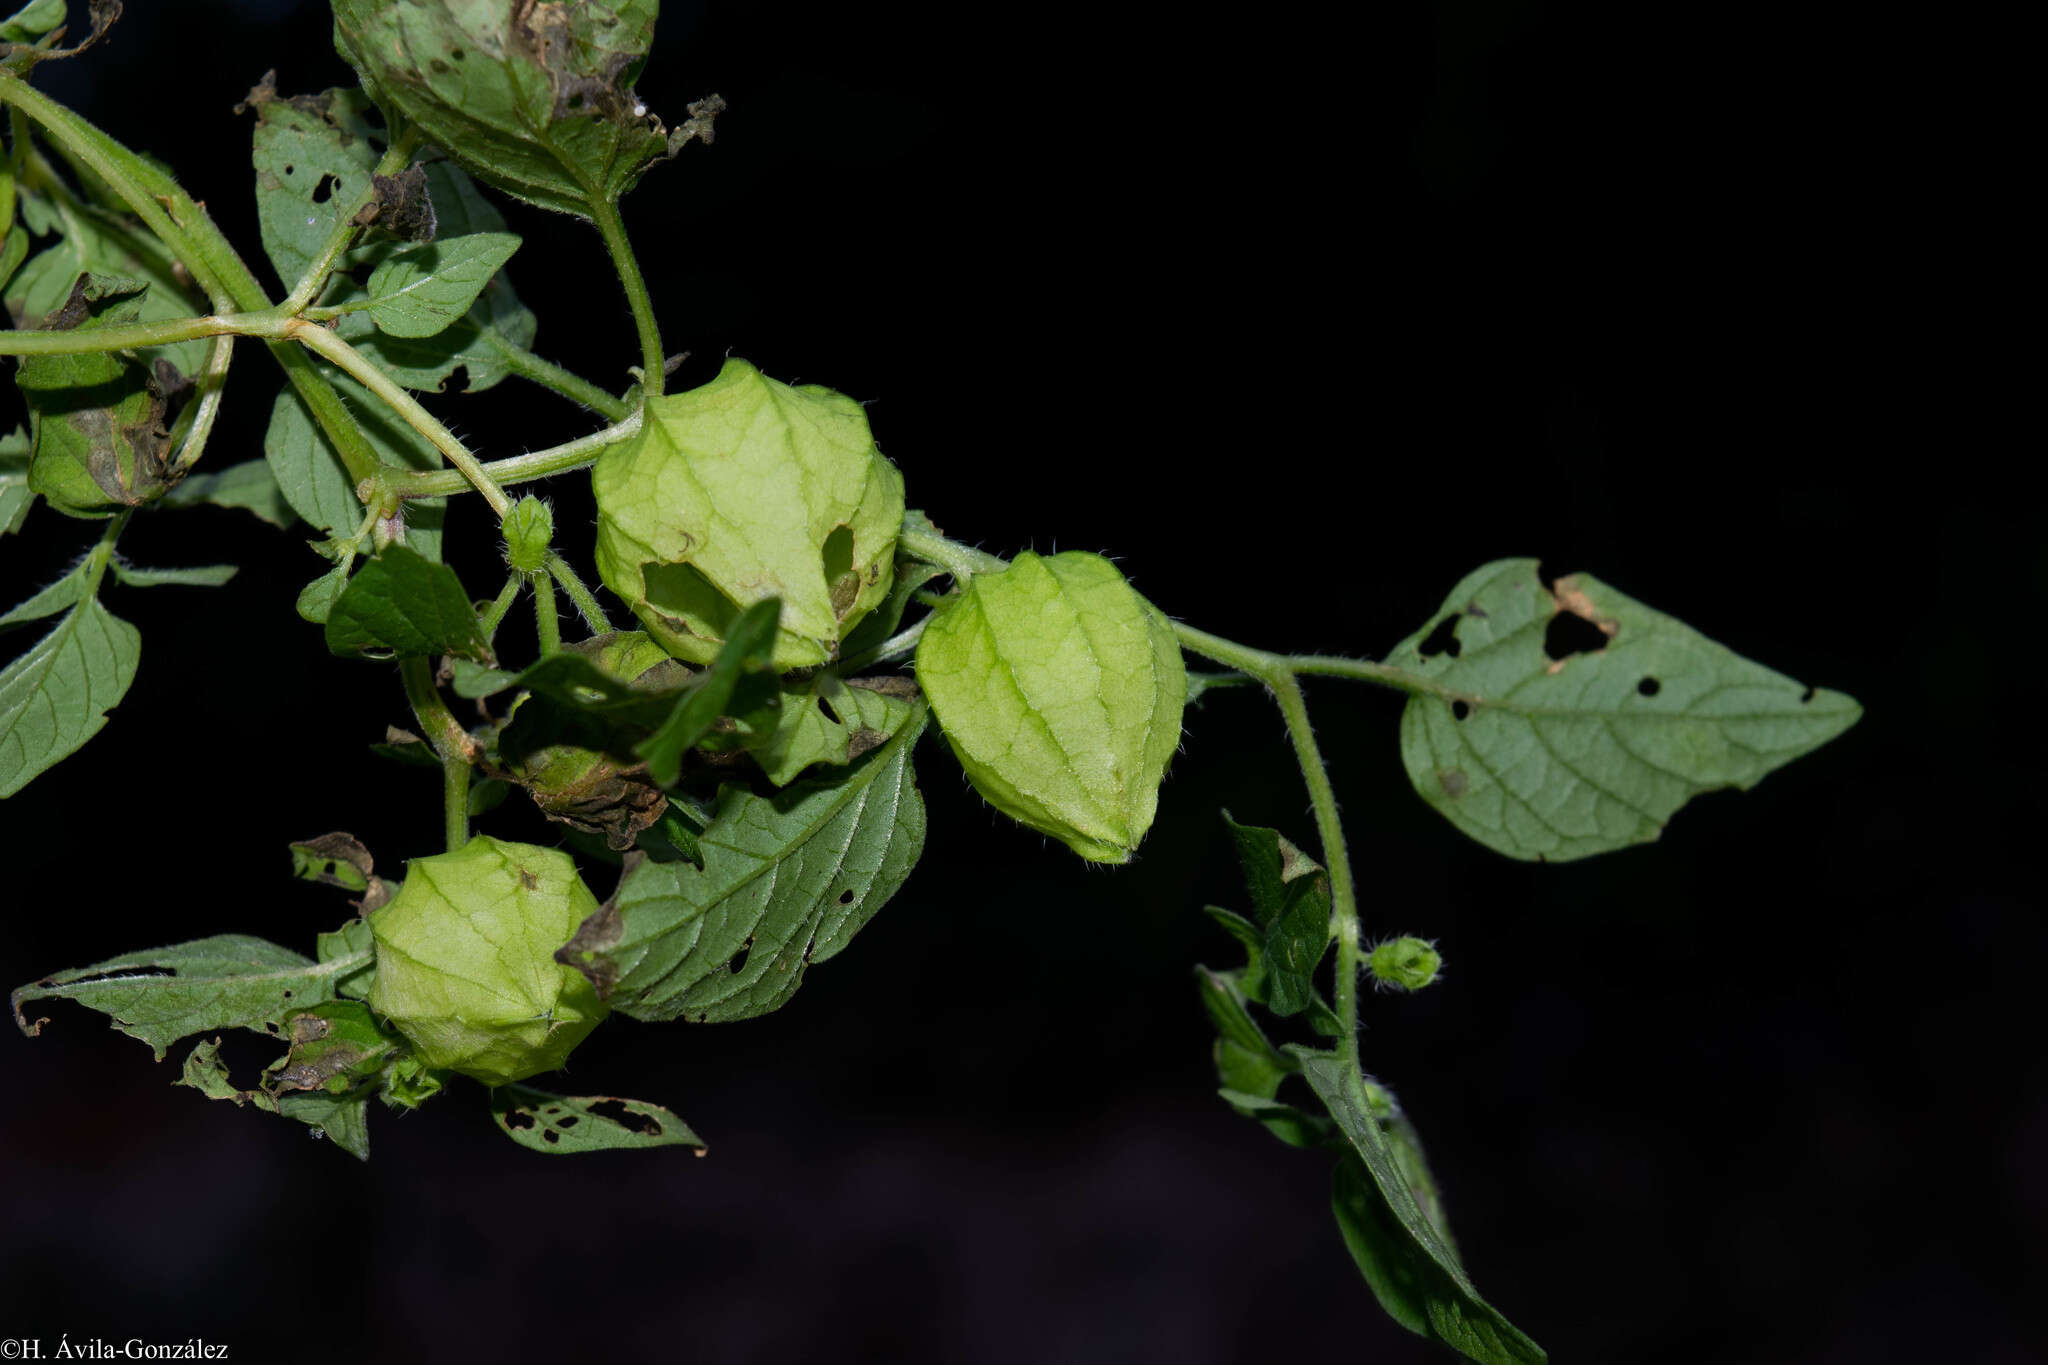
746,489
1060,689
466,964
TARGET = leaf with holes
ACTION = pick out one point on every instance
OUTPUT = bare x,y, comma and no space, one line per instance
313,155
419,291
56,696
402,603
1545,752
1405,1254
565,1124
163,994
786,881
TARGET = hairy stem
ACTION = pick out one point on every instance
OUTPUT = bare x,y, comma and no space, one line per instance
207,406
546,617
346,358
549,375
586,602
605,214
494,615
961,561
538,464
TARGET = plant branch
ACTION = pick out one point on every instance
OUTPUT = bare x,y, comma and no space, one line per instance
207,406
351,361
587,605
547,619
538,464
549,375
605,213
494,615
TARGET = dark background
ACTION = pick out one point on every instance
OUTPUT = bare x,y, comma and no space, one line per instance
1302,322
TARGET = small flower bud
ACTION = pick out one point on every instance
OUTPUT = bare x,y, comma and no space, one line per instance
1405,964
529,530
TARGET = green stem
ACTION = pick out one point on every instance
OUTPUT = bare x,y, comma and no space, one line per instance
546,618
212,381
586,601
133,336
605,213
494,614
102,553
961,561
395,159
346,358
455,801
456,749
538,464
549,375
1277,673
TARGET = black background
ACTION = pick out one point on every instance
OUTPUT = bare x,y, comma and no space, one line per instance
1302,321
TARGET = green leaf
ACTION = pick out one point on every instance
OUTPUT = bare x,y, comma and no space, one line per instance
98,420
56,696
1060,690
536,100
786,881
206,576
317,599
343,1119
32,21
561,1124
163,994
314,481
1291,902
104,244
749,642
739,491
249,485
1403,1252
313,155
421,290
1540,752
354,940
15,495
402,603
60,596
830,720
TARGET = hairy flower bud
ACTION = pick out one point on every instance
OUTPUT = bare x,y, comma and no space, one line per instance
1406,964
466,964
746,489
1061,691
529,529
